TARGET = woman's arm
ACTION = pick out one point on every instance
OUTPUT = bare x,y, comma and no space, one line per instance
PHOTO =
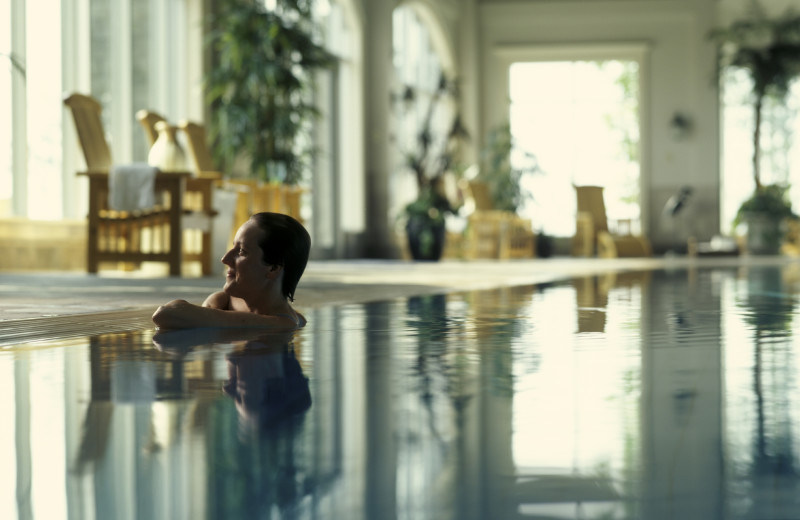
180,314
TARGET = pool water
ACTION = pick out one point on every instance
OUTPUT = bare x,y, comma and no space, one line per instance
631,395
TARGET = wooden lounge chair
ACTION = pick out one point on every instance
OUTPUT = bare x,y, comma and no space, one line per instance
255,196
148,119
200,156
155,234
592,234
493,233
205,177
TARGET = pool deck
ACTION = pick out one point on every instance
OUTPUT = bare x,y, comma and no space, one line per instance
39,304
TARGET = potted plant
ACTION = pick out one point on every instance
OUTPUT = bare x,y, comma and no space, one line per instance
503,178
498,186
765,214
430,160
259,87
769,51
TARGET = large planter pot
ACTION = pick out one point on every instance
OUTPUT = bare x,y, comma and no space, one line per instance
764,234
425,238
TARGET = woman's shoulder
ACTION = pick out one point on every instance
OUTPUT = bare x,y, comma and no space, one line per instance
218,300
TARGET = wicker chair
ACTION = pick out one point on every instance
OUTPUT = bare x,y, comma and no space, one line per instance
493,233
592,233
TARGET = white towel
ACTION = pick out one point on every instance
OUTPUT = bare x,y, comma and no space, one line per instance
132,187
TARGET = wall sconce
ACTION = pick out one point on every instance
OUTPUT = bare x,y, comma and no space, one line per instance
680,125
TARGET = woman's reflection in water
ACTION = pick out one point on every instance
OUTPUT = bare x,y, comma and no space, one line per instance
266,381
258,460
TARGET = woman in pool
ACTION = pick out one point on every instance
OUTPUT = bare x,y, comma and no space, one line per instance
268,257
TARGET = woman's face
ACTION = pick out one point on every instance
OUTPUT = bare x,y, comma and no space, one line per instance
247,272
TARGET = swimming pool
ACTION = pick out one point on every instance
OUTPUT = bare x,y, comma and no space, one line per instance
654,394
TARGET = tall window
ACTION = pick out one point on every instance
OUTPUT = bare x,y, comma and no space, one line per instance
418,67
6,71
138,61
30,101
581,121
338,173
137,58
44,110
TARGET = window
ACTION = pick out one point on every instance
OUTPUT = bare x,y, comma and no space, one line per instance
30,97
581,121
418,66
7,69
135,58
138,61
338,175
44,111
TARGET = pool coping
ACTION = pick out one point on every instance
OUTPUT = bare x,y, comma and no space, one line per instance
48,305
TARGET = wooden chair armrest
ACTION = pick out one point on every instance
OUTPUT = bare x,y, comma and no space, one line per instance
199,184
621,226
217,176
97,174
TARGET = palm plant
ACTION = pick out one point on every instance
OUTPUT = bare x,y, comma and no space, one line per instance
433,155
260,84
769,51
502,176
430,158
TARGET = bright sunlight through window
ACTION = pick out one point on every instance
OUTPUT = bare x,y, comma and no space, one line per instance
5,108
581,121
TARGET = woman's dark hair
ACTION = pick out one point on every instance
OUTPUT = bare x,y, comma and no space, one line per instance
286,243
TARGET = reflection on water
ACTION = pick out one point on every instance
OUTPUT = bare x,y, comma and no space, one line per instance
265,379
665,394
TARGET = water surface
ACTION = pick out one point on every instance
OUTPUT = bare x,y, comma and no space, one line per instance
663,394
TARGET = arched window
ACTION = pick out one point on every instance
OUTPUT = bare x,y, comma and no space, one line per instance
420,59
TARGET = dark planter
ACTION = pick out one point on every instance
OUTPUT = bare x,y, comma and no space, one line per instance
425,238
544,246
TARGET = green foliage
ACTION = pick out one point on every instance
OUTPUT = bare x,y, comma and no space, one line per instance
430,206
501,177
260,84
766,48
433,155
771,200
628,82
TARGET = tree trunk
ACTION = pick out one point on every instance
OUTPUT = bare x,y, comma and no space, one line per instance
757,141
